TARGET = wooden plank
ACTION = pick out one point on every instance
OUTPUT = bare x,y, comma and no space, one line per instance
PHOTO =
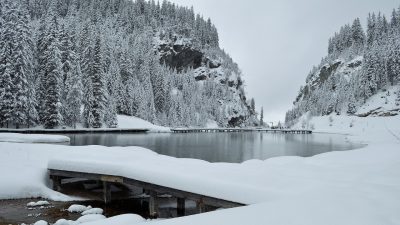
153,205
112,179
221,203
180,209
201,208
106,192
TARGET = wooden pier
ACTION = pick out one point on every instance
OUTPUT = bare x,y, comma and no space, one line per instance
72,131
233,130
153,190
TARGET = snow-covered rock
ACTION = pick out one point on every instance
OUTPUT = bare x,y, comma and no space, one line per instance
93,211
38,203
41,222
75,208
64,222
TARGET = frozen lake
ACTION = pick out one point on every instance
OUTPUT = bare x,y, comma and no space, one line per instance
224,147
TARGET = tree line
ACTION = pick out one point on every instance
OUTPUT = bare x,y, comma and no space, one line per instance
359,64
72,63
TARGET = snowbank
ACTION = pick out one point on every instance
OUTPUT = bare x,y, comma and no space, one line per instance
131,122
32,138
128,219
359,187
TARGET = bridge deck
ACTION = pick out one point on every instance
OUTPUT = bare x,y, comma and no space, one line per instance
232,130
201,200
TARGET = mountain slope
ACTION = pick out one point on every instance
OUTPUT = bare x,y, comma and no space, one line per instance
359,65
158,62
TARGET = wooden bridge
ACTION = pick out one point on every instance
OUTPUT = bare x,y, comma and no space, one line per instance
232,130
152,190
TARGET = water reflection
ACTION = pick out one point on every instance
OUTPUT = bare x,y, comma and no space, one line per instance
223,147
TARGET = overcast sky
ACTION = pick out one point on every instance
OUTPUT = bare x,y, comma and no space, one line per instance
276,43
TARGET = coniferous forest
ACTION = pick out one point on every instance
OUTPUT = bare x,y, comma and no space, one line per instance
69,63
359,64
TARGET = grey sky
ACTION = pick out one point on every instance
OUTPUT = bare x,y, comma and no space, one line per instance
276,43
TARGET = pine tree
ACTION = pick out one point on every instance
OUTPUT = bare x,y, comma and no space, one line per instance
253,106
6,96
98,85
262,117
357,33
16,60
41,49
73,96
53,74
393,60
398,97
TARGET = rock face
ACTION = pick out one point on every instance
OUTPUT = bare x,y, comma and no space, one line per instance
180,56
209,65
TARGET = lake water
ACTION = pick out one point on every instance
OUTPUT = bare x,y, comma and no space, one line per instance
224,147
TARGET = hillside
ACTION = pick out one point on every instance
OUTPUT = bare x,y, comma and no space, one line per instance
359,67
71,62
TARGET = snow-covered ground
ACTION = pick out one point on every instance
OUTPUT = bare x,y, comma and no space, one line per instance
32,138
382,103
124,122
353,187
129,122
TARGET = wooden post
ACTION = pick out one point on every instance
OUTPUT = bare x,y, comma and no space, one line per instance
180,207
106,192
153,205
56,183
200,206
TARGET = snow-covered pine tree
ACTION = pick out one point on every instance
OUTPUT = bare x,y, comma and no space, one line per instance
262,117
53,75
393,58
358,36
26,34
6,96
98,84
398,97
41,48
74,96
18,57
73,81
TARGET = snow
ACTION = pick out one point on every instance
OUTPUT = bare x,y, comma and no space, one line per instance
89,218
40,222
131,122
92,211
211,124
384,101
75,208
359,187
32,138
64,222
38,203
127,219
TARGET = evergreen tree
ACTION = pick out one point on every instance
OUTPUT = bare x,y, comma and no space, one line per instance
53,74
357,33
98,85
262,117
15,59
74,96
